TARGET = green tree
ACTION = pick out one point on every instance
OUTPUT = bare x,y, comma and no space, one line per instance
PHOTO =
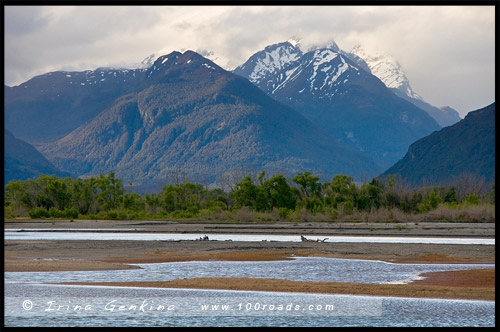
111,189
245,193
182,197
152,203
278,193
341,190
85,195
132,202
450,196
309,185
431,202
370,195
58,192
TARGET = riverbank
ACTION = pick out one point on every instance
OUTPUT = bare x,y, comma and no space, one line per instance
44,255
319,229
75,255
83,255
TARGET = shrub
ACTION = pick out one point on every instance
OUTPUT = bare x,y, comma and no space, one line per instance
472,199
123,215
111,215
71,213
283,212
430,203
39,213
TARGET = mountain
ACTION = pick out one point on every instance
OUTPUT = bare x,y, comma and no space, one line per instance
187,114
22,161
388,70
147,62
338,95
261,67
467,147
50,106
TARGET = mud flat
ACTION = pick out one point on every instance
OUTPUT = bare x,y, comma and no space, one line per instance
469,284
26,255
44,255
82,255
320,229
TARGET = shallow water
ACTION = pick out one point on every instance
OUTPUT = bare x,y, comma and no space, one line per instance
30,302
298,269
31,234
45,305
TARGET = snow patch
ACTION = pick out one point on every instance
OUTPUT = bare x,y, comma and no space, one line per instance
387,69
290,75
272,61
331,73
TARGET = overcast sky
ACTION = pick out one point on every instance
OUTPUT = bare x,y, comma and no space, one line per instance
447,53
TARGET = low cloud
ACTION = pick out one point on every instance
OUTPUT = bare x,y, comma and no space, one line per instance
447,52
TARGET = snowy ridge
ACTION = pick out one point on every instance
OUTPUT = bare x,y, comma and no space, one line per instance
388,70
106,76
322,69
273,59
147,62
319,72
320,58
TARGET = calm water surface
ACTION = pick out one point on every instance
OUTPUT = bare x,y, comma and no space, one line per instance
33,234
29,302
44,305
298,269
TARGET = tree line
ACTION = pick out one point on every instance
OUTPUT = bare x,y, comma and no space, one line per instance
106,197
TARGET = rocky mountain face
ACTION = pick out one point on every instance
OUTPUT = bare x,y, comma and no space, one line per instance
388,70
185,113
463,149
22,161
337,93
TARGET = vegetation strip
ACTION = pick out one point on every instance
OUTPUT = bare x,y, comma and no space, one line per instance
262,198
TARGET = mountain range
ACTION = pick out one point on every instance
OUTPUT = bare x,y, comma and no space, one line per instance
284,110
463,149
186,113
341,97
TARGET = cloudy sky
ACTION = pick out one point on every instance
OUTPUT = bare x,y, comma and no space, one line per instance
447,53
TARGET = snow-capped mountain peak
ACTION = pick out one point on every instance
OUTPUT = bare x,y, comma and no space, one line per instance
147,62
387,69
320,73
294,41
330,45
272,59
327,66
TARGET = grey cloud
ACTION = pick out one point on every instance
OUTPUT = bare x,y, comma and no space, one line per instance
437,46
21,20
